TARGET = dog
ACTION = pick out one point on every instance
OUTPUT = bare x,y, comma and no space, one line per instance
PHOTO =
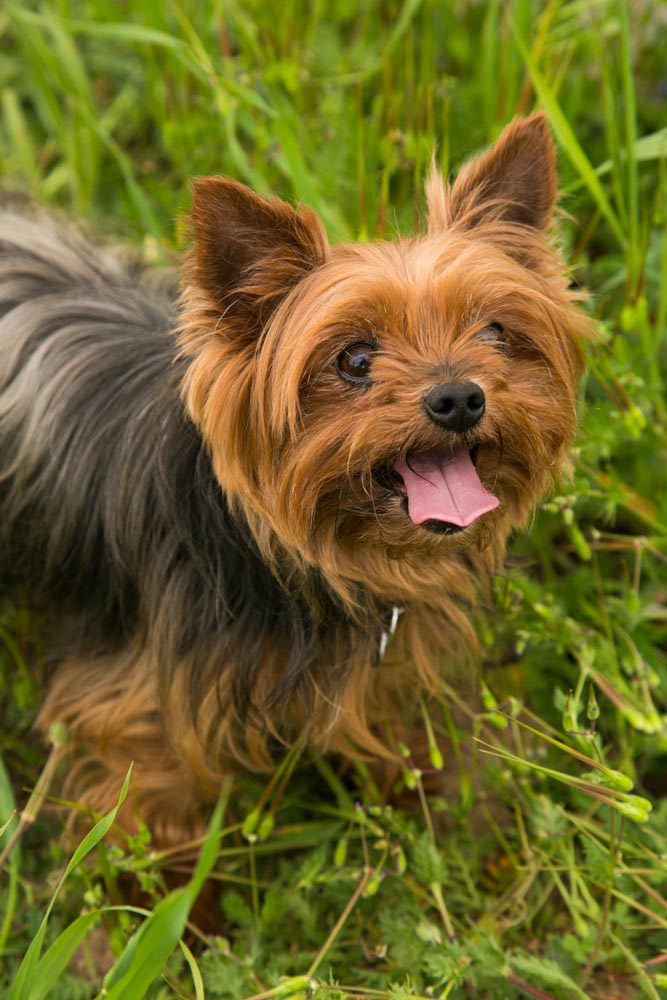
258,510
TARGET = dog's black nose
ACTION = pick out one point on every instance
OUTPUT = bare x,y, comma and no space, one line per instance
456,406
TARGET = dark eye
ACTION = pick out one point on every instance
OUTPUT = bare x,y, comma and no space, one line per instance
354,363
494,334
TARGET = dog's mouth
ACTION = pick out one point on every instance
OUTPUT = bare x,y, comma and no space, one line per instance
442,490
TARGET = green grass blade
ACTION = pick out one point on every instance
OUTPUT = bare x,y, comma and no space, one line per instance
7,804
630,162
570,143
57,957
37,59
304,183
148,949
159,935
197,980
12,866
138,34
25,980
648,149
18,133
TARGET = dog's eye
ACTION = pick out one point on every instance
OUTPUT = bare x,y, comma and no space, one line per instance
495,335
354,363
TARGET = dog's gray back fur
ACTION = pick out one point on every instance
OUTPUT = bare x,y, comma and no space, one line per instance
86,361
110,515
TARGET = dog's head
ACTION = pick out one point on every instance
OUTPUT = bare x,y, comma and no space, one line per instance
375,408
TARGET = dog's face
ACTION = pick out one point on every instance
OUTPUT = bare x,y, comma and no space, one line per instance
398,401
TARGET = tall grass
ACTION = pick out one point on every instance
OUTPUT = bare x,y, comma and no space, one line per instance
555,886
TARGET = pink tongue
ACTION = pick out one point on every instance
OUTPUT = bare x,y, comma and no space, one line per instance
445,487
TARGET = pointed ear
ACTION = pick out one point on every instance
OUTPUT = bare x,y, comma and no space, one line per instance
250,251
514,181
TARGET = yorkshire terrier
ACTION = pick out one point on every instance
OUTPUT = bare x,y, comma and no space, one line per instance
225,498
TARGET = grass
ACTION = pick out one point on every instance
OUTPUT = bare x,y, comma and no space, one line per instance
561,890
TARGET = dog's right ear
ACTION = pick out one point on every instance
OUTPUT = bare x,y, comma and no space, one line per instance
250,251
512,182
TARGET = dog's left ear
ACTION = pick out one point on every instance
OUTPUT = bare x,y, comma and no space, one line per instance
514,181
250,251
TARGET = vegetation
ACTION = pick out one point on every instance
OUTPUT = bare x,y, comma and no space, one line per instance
559,890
